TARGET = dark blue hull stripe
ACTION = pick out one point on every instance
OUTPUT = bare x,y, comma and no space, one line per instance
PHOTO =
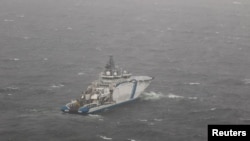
133,89
110,107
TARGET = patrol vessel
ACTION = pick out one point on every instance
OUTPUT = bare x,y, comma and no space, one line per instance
114,86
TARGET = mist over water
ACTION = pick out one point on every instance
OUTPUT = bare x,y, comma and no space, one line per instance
50,50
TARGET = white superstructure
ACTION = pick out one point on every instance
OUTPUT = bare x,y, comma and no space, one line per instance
114,86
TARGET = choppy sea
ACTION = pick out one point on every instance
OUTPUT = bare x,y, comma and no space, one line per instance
50,50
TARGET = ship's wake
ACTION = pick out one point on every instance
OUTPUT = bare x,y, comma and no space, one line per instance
158,95
152,95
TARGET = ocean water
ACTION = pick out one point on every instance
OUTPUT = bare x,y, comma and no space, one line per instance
50,50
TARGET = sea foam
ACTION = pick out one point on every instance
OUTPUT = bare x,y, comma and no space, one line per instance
105,138
156,96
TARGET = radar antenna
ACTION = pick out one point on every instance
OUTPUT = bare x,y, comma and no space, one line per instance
111,64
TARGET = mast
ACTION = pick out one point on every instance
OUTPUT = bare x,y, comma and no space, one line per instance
110,66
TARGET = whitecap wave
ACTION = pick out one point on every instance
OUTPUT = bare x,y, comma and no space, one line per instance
157,119
57,86
212,109
151,124
81,73
246,81
12,88
194,83
105,138
33,110
14,59
8,20
131,140
69,28
143,120
98,48
192,98
174,96
169,29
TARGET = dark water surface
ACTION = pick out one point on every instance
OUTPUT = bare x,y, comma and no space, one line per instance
50,50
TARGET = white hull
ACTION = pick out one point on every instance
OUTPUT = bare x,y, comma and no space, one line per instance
123,94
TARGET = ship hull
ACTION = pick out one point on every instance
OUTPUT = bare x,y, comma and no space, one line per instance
123,93
106,107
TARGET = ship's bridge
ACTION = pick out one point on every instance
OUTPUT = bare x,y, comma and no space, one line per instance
113,74
107,79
